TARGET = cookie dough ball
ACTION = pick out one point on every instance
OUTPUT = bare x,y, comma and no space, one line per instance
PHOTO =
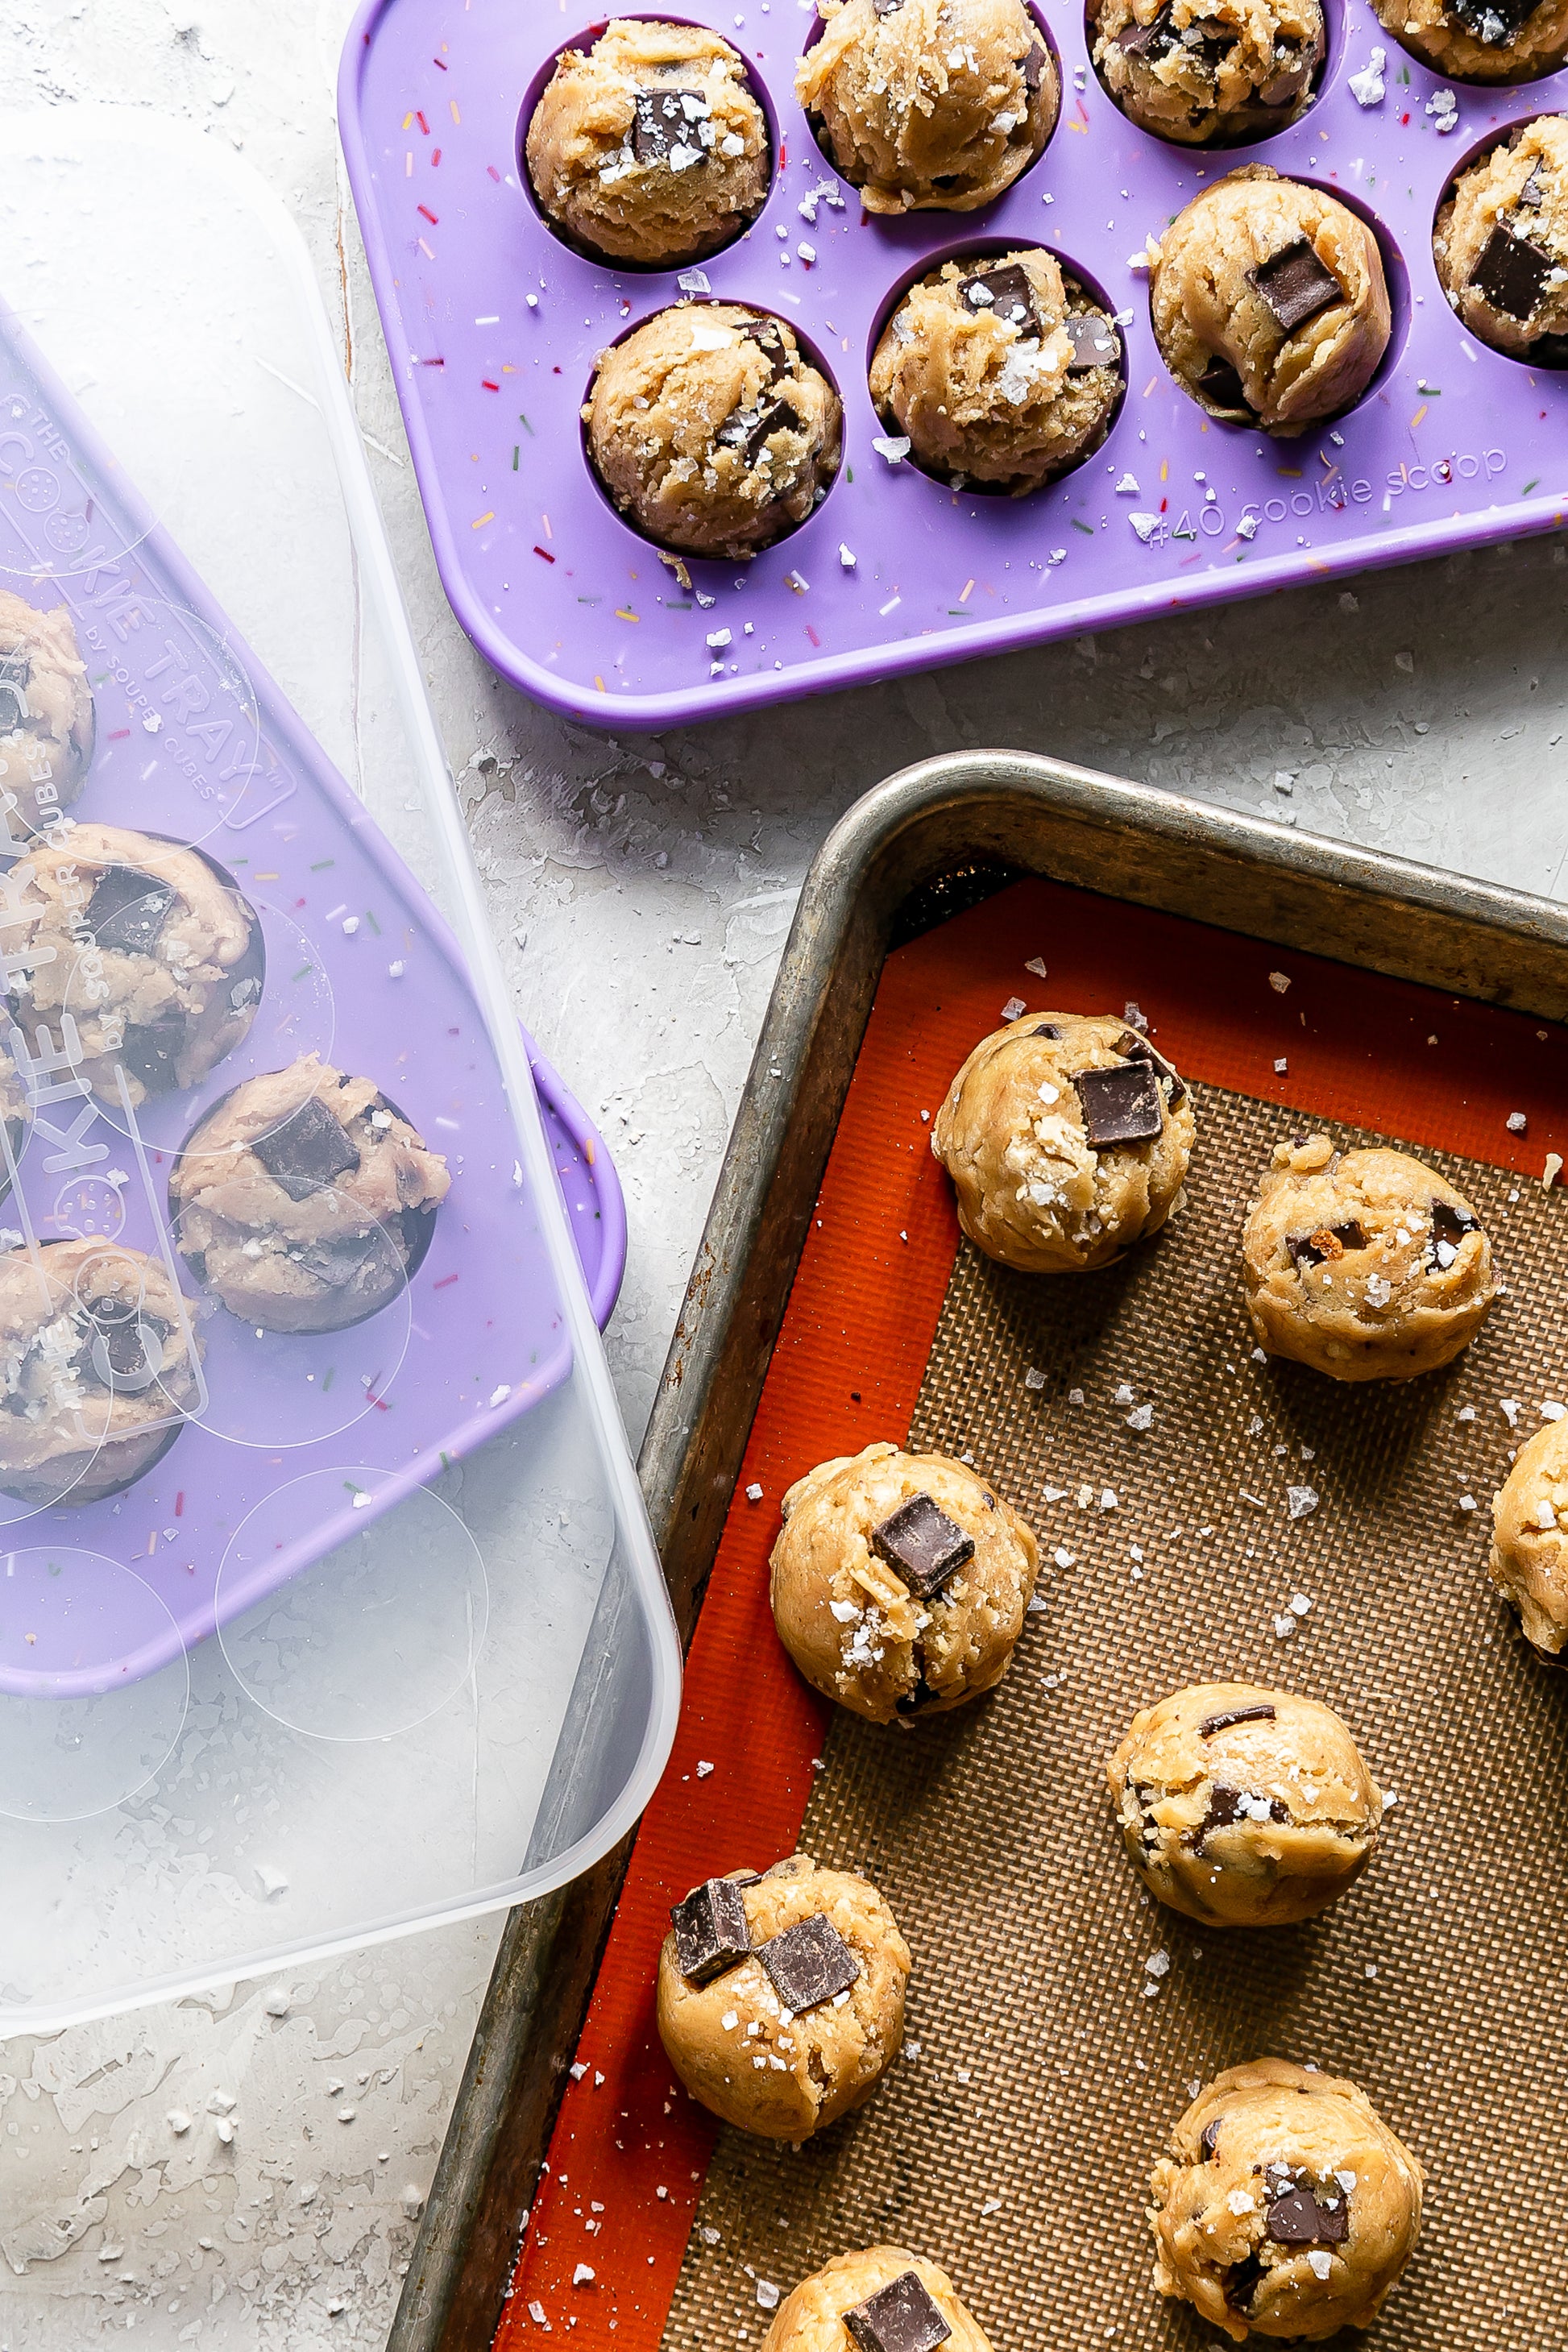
882,2300
929,105
1481,40
1530,1539
901,1582
1209,72
1242,1807
47,726
1270,302
1067,1137
303,1199
1366,1265
1286,2207
1000,372
151,950
1501,243
99,1362
780,1999
650,146
711,432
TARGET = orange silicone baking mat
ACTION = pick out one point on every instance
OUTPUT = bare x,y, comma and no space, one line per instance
1013,2141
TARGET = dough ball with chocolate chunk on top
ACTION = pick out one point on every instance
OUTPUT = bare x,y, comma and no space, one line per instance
1068,1137
650,146
1501,243
1270,302
47,725
1481,40
929,105
899,1581
880,2300
711,432
1242,1807
1000,370
1209,72
1286,2209
153,951
1529,1559
793,2009
1365,1265
302,1199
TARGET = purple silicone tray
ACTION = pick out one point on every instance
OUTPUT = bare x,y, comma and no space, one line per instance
196,742
1453,444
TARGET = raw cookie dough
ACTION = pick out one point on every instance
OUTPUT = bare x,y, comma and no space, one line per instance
97,1362
929,105
888,1641
711,432
734,2038
1501,243
1481,40
1286,2206
1016,1131
1530,1539
814,2317
650,146
303,1197
999,370
1209,72
149,948
1365,1265
13,1113
1242,1807
1268,302
45,713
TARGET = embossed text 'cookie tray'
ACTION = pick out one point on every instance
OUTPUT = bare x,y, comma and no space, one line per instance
194,744
493,325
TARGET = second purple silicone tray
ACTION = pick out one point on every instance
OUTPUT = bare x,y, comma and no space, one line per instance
493,325
195,742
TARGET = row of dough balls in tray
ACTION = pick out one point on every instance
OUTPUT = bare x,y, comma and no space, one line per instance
715,432
649,144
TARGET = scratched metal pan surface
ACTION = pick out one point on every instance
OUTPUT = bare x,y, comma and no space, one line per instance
493,326
920,846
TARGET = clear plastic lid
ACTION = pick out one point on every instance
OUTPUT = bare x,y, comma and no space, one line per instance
329,1606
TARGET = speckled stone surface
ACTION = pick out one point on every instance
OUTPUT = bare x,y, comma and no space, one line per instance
643,890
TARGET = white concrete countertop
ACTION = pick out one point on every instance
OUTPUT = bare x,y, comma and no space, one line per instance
1422,711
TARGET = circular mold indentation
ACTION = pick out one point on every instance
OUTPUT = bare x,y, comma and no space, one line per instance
1397,278
990,248
1472,62
581,246
1255,133
811,353
1549,353
819,134
94,1684
374,1636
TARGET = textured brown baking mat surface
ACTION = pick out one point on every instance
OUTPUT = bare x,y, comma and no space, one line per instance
1046,2061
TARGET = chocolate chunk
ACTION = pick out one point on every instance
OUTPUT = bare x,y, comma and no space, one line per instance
1220,382
1034,69
1449,1226
1295,285
887,8
923,1545
710,1931
1549,352
1151,40
1212,1723
306,1150
1010,294
764,334
1045,1029
1328,1242
1138,1049
128,909
751,429
1510,273
1120,1106
1225,1806
1297,2219
1532,194
900,2317
14,671
150,1050
127,1352
662,123
1094,343
1209,2142
1494,23
809,1963
1241,2282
